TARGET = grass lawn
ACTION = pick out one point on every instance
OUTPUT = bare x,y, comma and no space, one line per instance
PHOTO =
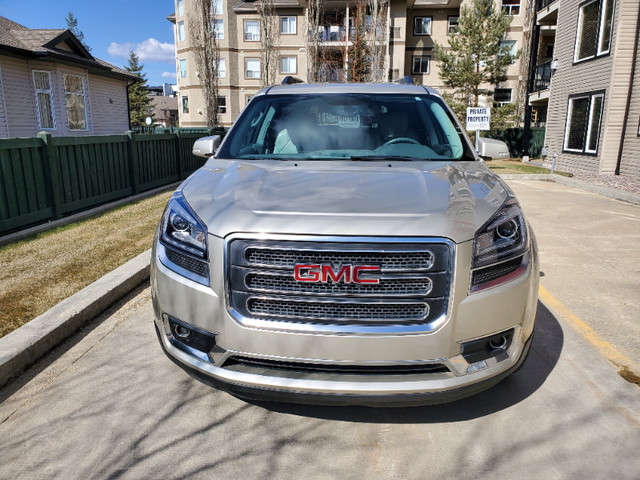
39,272
516,166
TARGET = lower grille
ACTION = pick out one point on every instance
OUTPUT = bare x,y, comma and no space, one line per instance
196,266
403,369
375,312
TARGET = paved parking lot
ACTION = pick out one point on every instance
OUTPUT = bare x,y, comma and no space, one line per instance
109,404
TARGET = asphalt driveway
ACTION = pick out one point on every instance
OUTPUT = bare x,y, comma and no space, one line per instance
109,404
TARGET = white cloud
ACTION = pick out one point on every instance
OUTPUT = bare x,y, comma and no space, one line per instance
150,50
171,75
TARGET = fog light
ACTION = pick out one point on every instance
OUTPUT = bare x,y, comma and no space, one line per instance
191,336
485,348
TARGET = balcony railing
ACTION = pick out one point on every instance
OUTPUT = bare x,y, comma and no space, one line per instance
542,77
332,33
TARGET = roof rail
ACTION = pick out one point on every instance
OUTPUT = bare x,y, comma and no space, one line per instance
290,80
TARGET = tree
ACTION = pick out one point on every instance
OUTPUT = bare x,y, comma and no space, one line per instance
139,101
359,55
269,41
476,62
315,12
378,39
72,24
206,53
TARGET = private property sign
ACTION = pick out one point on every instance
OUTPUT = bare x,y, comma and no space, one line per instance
478,118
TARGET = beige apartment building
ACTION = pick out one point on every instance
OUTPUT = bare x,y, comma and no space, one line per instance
585,87
412,28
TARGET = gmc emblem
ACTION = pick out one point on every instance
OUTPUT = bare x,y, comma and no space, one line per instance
324,273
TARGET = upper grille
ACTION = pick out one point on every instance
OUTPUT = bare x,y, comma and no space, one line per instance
414,282
386,260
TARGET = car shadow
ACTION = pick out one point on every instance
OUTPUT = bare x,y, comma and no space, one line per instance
544,355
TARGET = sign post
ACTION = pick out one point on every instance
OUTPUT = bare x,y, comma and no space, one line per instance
478,118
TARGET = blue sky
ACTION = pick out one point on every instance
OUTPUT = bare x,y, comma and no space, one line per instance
111,28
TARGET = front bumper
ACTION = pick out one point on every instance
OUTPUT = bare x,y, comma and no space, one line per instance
507,307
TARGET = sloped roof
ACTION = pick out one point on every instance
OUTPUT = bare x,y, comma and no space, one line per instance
53,45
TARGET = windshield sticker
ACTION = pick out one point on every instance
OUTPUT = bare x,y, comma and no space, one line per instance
351,121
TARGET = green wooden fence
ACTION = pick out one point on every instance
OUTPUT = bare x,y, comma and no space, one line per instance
46,178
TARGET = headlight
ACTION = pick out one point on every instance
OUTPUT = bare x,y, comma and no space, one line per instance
500,248
502,238
183,240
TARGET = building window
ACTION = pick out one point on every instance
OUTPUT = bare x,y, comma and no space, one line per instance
511,7
511,45
217,7
583,123
248,99
420,64
183,68
288,64
422,26
222,68
222,105
218,27
44,100
252,68
76,106
502,96
453,25
180,8
288,25
181,35
185,104
251,31
595,21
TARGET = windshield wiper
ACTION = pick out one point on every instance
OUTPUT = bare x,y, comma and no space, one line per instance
402,158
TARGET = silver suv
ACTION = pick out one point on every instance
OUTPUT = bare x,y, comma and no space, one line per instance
344,244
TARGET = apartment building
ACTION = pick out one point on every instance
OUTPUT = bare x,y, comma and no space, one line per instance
412,27
584,87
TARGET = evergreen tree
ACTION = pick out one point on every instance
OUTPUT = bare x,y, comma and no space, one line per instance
139,100
476,63
72,24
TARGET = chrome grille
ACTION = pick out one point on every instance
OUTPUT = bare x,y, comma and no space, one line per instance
381,312
387,260
387,286
413,289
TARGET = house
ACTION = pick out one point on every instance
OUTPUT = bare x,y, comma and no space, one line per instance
407,38
165,110
50,82
585,84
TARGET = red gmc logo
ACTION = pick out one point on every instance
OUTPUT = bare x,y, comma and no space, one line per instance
346,274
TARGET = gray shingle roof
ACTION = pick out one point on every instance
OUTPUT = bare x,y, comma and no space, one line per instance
42,43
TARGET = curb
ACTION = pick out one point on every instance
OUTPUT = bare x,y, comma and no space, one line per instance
571,182
23,347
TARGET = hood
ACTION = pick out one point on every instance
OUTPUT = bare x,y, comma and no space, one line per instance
413,199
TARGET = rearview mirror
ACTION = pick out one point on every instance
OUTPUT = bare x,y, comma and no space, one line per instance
206,146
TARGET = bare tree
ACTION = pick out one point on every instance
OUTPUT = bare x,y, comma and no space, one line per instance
206,52
379,10
315,12
269,41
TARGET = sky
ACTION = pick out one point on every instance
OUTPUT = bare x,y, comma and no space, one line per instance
111,28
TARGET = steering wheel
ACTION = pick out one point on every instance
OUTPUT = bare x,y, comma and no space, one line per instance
400,140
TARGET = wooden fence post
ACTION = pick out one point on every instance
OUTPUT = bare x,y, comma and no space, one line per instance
179,157
134,167
52,172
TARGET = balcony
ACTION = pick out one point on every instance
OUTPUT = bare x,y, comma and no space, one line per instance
332,34
548,12
542,77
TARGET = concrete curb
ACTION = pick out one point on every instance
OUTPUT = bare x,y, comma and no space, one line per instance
572,182
24,346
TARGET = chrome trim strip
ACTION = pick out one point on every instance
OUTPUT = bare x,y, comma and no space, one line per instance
414,329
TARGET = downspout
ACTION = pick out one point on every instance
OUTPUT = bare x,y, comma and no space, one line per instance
533,56
629,93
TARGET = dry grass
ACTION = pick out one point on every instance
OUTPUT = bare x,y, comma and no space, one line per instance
629,375
37,273
517,167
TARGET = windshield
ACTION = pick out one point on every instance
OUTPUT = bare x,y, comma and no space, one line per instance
346,126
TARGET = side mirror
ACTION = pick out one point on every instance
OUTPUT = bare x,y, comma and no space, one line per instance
206,146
